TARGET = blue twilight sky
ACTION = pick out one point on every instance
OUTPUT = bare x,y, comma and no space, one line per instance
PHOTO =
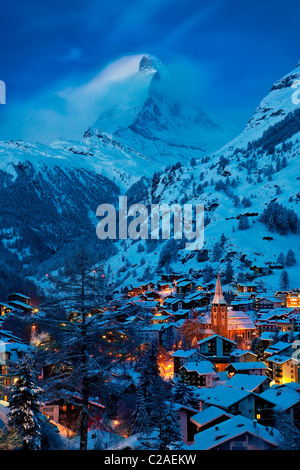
231,51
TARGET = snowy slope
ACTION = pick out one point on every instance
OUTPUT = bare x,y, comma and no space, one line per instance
260,165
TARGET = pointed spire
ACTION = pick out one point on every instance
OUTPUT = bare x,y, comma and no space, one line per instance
218,298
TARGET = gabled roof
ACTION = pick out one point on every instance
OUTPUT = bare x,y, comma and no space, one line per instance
208,415
241,352
209,338
247,365
225,397
282,398
183,354
201,367
247,382
231,429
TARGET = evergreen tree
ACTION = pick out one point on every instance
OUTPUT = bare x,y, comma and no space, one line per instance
228,273
217,252
281,259
284,280
184,395
290,258
289,435
142,421
24,406
170,436
243,223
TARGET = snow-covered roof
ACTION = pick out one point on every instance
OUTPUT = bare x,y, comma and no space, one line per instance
278,347
247,365
230,429
246,382
20,295
279,359
241,352
283,398
201,367
209,338
208,415
269,335
239,320
183,354
225,397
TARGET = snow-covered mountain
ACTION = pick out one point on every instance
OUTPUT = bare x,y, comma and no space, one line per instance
146,123
251,192
51,192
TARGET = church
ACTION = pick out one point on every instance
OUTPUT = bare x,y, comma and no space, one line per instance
221,320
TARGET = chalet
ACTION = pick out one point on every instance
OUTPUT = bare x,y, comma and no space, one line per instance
22,302
181,357
66,411
176,304
232,400
134,291
255,368
280,348
147,287
185,286
55,369
197,300
242,355
283,369
182,314
267,303
216,349
19,298
199,374
261,270
5,309
251,383
250,287
207,418
267,337
236,433
164,287
285,398
241,305
10,352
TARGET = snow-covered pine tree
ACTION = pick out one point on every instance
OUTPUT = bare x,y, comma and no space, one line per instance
184,395
228,275
290,258
145,397
170,436
289,435
281,259
24,406
284,280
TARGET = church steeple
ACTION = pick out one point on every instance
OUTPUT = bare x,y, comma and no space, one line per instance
218,297
219,311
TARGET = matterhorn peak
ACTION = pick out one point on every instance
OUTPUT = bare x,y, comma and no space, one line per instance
149,63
